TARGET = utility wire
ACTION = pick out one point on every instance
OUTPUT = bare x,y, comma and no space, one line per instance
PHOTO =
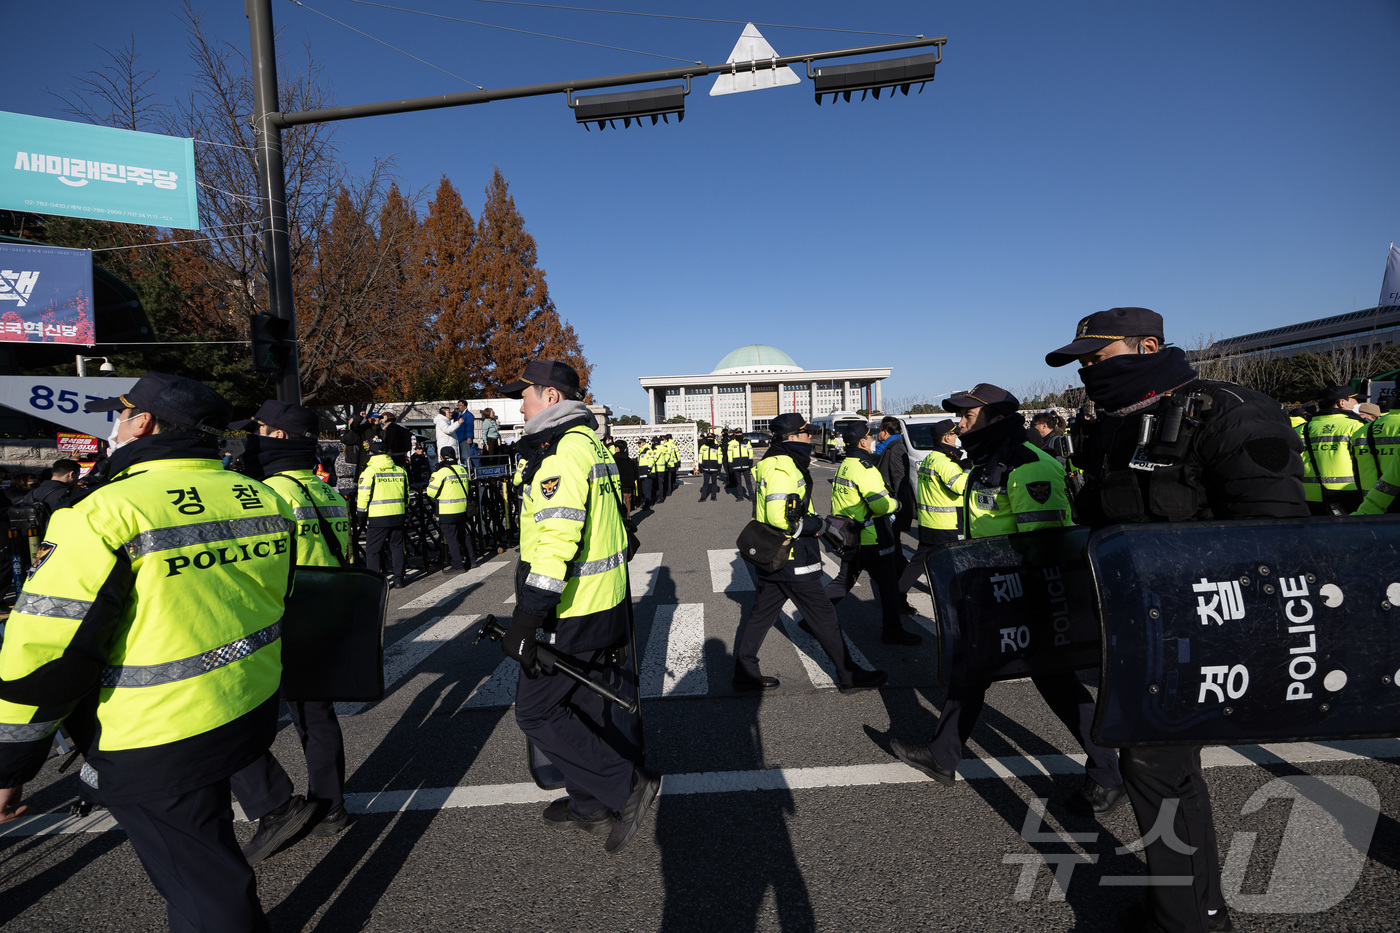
527,32
202,239
383,43
693,19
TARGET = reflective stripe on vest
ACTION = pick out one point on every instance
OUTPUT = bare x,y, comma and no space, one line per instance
150,675
27,731
178,536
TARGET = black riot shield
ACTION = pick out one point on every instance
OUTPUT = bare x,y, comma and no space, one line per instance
1245,632
1013,605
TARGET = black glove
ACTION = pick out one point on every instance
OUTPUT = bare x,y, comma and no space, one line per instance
519,642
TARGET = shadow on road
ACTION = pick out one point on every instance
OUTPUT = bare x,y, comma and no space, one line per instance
722,853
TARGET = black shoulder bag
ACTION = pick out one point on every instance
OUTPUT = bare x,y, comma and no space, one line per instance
333,627
767,547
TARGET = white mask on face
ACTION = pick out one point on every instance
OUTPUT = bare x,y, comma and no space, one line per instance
114,445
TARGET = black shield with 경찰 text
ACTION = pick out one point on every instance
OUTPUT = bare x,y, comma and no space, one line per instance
1247,632
1013,605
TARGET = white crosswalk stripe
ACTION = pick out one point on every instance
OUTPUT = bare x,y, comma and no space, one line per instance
674,663
643,571
818,666
498,689
404,655
729,573
458,584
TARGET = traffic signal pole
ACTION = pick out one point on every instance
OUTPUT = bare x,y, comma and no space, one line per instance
267,130
269,121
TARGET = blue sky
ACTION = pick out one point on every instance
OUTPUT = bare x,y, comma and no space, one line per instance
1231,165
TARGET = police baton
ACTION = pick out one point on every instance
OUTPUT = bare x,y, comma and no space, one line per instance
493,629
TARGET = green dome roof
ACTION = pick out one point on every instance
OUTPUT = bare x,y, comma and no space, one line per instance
757,357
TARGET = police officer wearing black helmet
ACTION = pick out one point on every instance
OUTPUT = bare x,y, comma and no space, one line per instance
1236,458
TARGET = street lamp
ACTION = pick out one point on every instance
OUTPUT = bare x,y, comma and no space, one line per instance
106,369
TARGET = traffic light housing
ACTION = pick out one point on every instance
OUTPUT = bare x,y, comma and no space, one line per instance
872,76
627,106
272,343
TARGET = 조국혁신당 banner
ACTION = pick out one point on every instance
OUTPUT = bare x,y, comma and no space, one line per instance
79,170
46,294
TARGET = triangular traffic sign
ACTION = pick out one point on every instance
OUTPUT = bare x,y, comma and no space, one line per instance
751,57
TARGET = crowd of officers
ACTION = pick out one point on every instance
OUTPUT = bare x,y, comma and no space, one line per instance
150,622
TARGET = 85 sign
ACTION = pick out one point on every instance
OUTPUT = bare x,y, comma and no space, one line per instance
60,399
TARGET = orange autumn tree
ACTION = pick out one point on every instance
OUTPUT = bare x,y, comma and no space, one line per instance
520,320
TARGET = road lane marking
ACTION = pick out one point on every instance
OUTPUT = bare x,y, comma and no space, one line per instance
643,572
456,585
818,666
674,663
498,689
728,782
729,573
404,655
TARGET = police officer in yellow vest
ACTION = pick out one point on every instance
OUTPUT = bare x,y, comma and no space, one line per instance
150,624
1014,486
571,589
1330,439
784,501
383,498
449,487
646,472
859,493
1377,446
739,453
939,492
710,460
281,451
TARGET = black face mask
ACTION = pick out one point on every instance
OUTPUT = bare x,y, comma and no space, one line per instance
1126,379
263,456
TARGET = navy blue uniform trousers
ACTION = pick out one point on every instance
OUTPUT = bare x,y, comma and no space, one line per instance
1067,699
884,573
188,848
263,786
592,742
454,529
375,540
810,598
1155,776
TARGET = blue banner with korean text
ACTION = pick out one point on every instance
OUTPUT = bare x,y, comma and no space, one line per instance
80,170
45,294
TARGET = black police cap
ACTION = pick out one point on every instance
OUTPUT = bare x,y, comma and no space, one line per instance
187,403
788,424
1101,328
853,434
550,373
1334,394
296,420
983,394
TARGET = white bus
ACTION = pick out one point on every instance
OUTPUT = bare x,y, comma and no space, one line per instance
826,439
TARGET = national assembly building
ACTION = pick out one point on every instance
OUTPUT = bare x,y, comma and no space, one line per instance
756,383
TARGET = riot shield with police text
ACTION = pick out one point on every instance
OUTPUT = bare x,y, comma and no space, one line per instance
1013,605
1246,632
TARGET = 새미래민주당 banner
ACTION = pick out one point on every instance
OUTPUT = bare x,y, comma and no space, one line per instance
46,294
80,170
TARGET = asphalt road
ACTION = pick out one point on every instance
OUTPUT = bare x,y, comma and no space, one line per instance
779,812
